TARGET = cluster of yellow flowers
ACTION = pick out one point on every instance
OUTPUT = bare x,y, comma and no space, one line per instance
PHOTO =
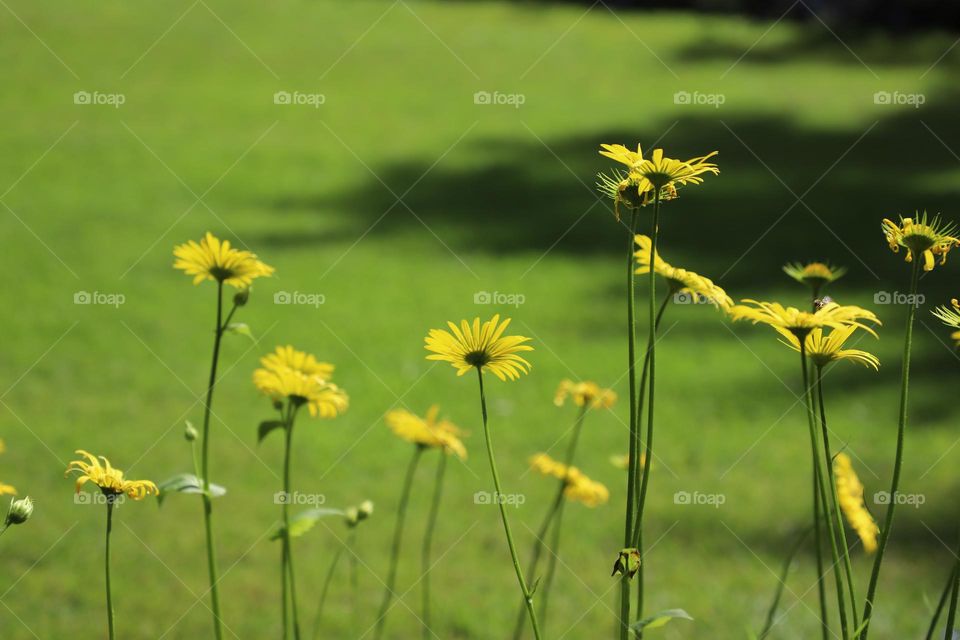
850,494
578,487
295,375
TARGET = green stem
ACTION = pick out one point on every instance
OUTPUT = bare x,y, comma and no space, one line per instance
527,596
323,592
205,471
535,554
551,565
954,593
818,549
285,507
397,542
354,573
782,583
835,501
831,534
947,590
624,622
428,541
898,458
107,568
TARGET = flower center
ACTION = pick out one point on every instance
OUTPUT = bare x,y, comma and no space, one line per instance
477,358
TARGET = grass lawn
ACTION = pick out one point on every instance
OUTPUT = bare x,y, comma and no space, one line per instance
399,199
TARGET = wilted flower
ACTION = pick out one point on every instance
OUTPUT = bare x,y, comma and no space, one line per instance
921,237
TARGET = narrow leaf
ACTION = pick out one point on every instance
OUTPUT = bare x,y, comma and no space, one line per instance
266,427
304,521
659,619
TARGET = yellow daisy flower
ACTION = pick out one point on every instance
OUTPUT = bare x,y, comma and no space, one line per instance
215,259
624,189
7,489
483,347
824,350
850,493
323,399
679,280
800,323
658,171
815,275
584,394
950,317
921,237
289,358
109,479
427,431
578,487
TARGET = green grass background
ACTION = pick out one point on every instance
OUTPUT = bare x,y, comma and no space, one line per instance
493,198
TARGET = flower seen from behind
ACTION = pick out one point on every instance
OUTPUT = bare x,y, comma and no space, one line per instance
427,431
924,237
480,346
826,349
215,259
109,479
815,275
850,492
800,323
679,280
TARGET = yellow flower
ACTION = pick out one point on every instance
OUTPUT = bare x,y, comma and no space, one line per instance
824,350
950,317
623,188
657,171
214,259
427,431
110,480
289,358
322,398
850,493
921,237
814,274
679,280
577,486
584,394
7,490
481,347
800,323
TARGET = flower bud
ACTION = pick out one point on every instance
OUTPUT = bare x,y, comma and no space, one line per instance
190,432
352,515
240,297
365,509
19,511
628,562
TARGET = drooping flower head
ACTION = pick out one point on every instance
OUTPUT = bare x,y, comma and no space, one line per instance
427,431
850,493
921,236
815,275
289,374
800,323
584,394
826,349
215,259
950,317
679,280
110,480
480,346
577,486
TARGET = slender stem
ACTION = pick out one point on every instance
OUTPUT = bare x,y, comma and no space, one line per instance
782,583
428,541
285,543
397,542
947,590
205,470
954,593
898,458
835,501
535,553
818,550
323,592
551,565
285,507
624,622
354,582
814,443
527,596
107,568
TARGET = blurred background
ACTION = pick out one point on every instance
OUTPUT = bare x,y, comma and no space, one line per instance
407,163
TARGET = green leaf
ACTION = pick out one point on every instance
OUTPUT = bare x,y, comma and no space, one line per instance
186,483
304,521
239,328
659,619
266,427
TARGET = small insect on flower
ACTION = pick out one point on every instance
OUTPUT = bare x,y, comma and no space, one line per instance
584,394
680,280
826,349
215,259
850,492
110,480
815,275
428,431
950,317
921,237
800,323
480,346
